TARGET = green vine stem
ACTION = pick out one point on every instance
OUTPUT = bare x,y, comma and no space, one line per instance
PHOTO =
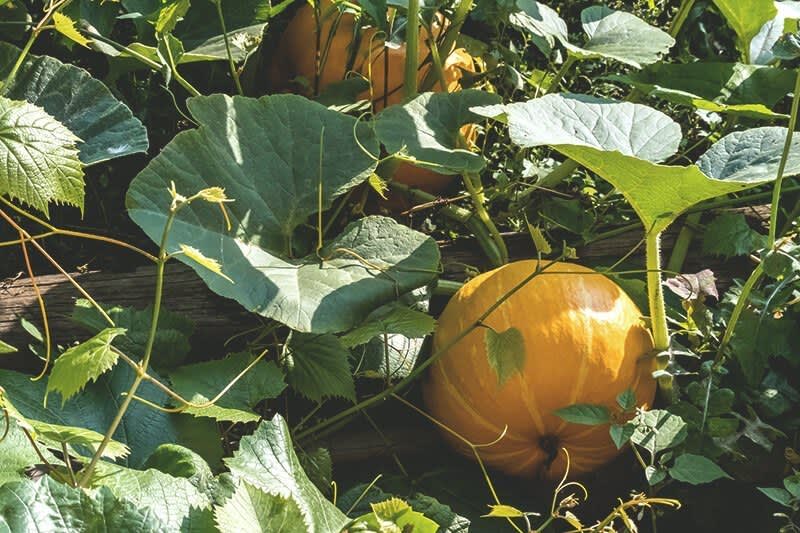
174,68
412,49
555,83
680,17
447,44
472,183
231,64
658,311
397,387
681,247
163,258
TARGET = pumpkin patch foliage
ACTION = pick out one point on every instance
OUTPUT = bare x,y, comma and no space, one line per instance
339,266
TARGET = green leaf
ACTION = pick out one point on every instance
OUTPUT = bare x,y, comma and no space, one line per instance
53,435
83,104
696,470
778,495
6,348
318,367
18,454
178,461
541,22
142,429
171,345
83,363
266,461
746,17
449,522
720,402
201,382
769,34
427,129
618,141
591,415
792,484
503,511
392,318
318,466
654,475
626,400
176,501
757,338
254,511
729,235
620,36
621,434
506,353
751,155
47,505
273,174
394,516
40,157
371,360
657,430
169,15
733,88
66,27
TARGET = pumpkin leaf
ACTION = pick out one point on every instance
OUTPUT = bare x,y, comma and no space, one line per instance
751,155
506,352
267,461
395,515
66,27
253,510
541,23
769,34
392,356
53,435
6,348
178,461
273,174
448,521
729,235
47,505
426,129
83,363
620,36
40,157
18,454
318,367
591,415
503,511
392,318
746,18
657,430
84,105
696,469
201,382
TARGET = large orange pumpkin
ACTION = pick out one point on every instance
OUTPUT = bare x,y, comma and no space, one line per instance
585,342
297,58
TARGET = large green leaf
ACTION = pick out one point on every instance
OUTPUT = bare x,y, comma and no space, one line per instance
752,155
39,157
318,367
175,501
267,461
733,88
17,454
254,511
541,22
47,505
83,104
83,363
427,129
54,435
746,17
604,136
143,429
274,174
620,36
201,382
771,32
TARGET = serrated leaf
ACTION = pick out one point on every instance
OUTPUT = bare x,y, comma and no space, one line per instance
746,17
657,430
66,27
267,461
6,348
392,318
696,469
757,338
318,367
193,254
620,36
171,345
47,505
201,382
39,157
54,434
449,522
318,466
18,454
591,415
274,175
85,105
254,511
729,235
170,14
394,516
83,363
503,511
180,505
541,22
506,353
427,129
378,185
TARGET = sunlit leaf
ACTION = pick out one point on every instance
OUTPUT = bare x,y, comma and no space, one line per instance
66,27
506,353
696,469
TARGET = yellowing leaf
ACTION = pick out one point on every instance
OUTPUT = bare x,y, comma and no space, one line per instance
573,520
378,185
66,27
539,240
197,256
503,511
213,195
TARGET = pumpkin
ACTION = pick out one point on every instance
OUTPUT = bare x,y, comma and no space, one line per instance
297,57
585,342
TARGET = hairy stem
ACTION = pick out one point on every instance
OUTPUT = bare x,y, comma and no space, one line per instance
475,189
658,311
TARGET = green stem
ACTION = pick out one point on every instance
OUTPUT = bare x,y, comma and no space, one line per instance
475,190
555,84
559,174
658,311
445,287
369,402
231,64
20,60
177,75
776,192
741,303
681,248
163,258
412,49
448,42
680,17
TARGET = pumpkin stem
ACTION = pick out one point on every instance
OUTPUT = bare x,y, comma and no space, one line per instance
550,444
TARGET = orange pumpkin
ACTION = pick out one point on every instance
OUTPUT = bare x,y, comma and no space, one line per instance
585,342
